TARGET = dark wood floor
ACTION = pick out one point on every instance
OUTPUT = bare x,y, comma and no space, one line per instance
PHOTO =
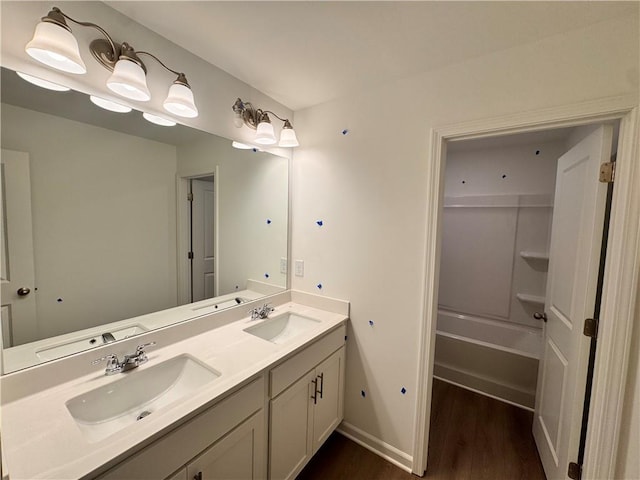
472,437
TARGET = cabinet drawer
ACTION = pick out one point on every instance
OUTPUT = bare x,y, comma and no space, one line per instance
295,367
176,448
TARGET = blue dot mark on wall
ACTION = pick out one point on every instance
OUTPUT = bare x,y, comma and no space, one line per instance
268,221
59,300
345,131
266,275
371,323
319,286
363,393
403,390
319,223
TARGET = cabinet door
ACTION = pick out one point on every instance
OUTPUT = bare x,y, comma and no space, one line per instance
239,455
179,475
290,446
328,411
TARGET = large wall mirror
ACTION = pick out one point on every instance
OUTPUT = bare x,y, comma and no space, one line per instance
113,226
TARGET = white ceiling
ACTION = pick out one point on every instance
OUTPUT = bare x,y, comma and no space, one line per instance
306,53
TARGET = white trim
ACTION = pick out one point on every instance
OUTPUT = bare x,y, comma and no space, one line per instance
183,240
390,453
618,303
620,288
480,392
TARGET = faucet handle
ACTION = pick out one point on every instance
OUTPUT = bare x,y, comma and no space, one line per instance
113,365
140,348
141,356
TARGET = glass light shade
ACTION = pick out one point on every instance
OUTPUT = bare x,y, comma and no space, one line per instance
109,104
264,134
288,138
180,101
40,82
56,47
158,120
237,120
241,146
129,80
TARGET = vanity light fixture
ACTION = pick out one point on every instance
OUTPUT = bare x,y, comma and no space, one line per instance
41,82
109,104
54,45
258,119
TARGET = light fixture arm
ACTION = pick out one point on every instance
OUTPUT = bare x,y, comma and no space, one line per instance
252,116
57,16
182,79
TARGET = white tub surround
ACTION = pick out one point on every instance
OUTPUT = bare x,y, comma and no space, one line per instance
495,358
42,440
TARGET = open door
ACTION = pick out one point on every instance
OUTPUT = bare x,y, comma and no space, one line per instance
18,291
574,259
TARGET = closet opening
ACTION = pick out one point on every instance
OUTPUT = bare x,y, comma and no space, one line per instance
521,236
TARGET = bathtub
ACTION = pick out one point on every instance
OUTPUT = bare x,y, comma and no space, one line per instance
495,358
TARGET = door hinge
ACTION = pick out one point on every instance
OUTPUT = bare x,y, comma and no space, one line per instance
190,255
607,172
575,471
591,327
189,197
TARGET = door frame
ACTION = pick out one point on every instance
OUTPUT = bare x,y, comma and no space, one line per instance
183,233
620,289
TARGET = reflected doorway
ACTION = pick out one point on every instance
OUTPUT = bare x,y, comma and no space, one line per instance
202,207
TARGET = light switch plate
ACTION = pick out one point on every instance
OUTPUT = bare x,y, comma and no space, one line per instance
299,268
283,265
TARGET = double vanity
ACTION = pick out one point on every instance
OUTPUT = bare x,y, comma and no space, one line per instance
220,396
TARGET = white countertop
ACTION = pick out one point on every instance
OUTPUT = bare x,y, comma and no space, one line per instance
33,353
40,439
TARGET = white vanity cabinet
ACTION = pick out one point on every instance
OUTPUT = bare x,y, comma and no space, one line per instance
226,442
306,404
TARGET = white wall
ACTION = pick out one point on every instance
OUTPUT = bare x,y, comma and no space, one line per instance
252,188
368,188
491,248
103,220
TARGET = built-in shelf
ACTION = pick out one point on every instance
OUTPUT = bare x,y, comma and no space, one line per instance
527,298
534,255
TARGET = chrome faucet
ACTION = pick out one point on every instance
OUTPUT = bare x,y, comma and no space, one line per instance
129,361
108,337
261,312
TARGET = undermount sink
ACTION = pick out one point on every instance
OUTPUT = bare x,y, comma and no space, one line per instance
282,328
112,407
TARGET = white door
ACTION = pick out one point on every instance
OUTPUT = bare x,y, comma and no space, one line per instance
576,237
290,432
18,296
203,238
239,455
327,412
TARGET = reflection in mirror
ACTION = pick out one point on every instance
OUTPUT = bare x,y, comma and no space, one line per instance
100,235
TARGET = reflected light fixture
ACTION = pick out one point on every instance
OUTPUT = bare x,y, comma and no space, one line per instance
54,45
241,146
41,82
109,104
258,119
164,122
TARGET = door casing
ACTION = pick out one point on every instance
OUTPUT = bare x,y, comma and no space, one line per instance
621,270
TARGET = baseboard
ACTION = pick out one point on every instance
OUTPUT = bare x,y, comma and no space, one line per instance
487,386
388,452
